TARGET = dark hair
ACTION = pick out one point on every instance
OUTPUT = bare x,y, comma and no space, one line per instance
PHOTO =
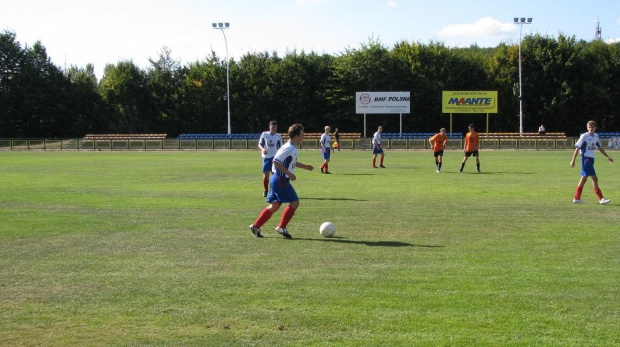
295,130
471,126
273,122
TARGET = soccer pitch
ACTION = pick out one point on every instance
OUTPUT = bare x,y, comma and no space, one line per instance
153,248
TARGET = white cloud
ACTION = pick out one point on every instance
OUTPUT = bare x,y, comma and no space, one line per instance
392,3
613,40
485,27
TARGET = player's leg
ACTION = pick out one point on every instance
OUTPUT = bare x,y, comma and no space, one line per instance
287,215
267,164
266,183
477,161
264,216
579,190
374,160
463,162
597,190
381,161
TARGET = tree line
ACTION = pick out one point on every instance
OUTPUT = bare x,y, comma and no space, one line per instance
565,83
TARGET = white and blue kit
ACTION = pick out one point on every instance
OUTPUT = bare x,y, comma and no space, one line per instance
587,144
280,188
326,145
271,143
376,143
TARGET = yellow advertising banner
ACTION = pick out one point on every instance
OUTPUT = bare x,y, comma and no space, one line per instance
469,102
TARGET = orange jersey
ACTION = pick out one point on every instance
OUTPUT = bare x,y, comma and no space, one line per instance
471,141
439,142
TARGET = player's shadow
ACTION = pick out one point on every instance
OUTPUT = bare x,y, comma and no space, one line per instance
356,174
334,199
369,243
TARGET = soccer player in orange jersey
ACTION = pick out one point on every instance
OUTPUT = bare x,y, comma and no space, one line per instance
471,147
438,143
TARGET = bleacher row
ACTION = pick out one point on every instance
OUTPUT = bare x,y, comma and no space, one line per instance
604,135
219,136
416,135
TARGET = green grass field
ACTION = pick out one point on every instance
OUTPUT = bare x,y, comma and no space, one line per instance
153,249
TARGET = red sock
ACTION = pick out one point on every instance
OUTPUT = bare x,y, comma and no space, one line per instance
263,218
373,162
288,214
598,193
381,161
326,166
578,193
266,183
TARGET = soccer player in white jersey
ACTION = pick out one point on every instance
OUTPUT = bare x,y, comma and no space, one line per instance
586,144
377,149
281,190
269,143
325,149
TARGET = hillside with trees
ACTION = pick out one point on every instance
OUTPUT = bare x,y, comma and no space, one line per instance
565,83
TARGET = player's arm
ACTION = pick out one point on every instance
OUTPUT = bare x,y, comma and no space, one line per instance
260,146
600,149
304,166
283,169
572,162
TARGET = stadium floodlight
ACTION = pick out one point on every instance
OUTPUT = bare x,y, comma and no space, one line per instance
221,26
521,22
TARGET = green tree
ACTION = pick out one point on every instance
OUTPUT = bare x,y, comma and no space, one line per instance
125,90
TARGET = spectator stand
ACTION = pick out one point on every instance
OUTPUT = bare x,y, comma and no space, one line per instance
347,140
217,141
527,140
122,141
613,139
418,140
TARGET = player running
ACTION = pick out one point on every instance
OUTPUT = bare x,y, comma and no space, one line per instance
269,143
376,148
281,190
471,147
325,149
586,144
438,143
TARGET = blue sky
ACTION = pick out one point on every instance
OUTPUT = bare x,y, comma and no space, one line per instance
78,32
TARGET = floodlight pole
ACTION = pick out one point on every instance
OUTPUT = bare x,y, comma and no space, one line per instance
521,22
222,26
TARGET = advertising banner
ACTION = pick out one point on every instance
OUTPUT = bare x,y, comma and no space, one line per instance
382,102
469,102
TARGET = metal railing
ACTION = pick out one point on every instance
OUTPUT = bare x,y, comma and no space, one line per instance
172,144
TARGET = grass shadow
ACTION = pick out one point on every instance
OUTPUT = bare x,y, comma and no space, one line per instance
368,243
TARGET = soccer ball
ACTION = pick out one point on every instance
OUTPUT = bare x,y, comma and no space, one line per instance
327,229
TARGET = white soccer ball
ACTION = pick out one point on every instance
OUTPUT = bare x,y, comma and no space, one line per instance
327,229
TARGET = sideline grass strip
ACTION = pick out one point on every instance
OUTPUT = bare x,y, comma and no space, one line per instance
152,248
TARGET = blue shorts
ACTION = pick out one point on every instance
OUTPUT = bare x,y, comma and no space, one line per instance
281,190
326,154
587,167
377,150
267,164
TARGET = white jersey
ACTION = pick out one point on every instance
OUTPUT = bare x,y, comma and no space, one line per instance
287,156
588,143
271,143
376,139
326,140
